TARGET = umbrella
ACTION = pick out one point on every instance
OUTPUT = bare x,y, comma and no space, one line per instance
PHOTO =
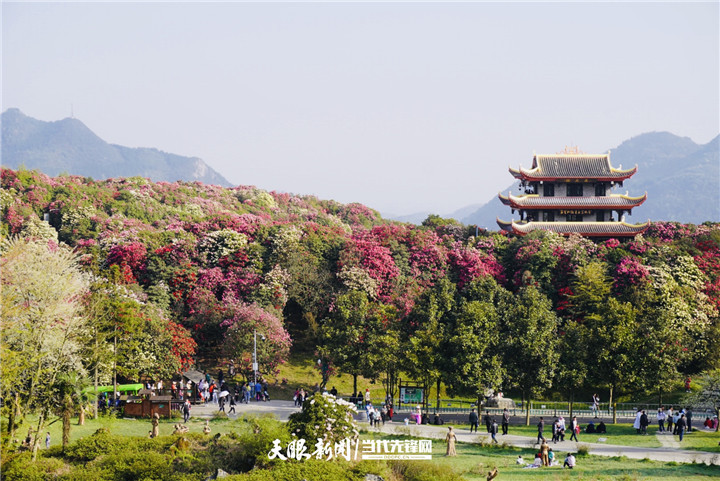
223,394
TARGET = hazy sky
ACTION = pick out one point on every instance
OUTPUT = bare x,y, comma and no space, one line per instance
404,107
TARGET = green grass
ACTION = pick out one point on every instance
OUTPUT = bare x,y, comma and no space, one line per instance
474,461
625,435
119,426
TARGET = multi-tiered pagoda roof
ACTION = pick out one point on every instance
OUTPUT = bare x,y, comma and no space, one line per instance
569,193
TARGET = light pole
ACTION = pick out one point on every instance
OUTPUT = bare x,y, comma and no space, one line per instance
255,363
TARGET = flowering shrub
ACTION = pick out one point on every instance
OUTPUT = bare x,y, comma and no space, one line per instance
629,272
323,417
244,320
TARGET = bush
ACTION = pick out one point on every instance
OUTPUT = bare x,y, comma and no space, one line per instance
324,417
583,450
19,466
414,471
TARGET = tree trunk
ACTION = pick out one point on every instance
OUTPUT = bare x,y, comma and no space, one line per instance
67,406
572,403
114,370
437,405
14,415
527,411
612,406
355,384
40,429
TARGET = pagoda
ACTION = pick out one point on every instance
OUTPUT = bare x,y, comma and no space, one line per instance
570,192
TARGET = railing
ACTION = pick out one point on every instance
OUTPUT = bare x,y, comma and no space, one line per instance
537,408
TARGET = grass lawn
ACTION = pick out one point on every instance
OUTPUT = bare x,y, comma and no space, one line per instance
625,435
122,427
474,461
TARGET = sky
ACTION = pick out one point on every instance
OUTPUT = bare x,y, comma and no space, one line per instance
405,107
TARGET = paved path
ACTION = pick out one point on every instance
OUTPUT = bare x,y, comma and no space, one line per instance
669,452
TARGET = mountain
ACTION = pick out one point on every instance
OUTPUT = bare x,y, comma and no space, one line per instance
682,180
69,146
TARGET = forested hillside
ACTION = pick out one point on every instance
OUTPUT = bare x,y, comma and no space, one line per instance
181,271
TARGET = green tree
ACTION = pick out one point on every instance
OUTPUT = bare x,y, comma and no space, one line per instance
529,338
424,333
474,362
41,332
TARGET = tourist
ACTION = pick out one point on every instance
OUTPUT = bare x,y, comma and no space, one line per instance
595,404
488,421
575,428
494,431
687,384
569,461
232,405
590,429
676,418
367,397
520,460
540,428
669,419
644,423
551,457
47,440
680,426
688,416
473,420
636,424
450,439
661,420
601,429
505,421
186,410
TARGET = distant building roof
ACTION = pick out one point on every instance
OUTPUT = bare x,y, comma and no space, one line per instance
572,166
589,229
534,201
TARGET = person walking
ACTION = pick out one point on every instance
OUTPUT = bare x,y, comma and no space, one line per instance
232,405
575,427
494,431
540,428
488,421
669,419
473,421
47,440
186,410
505,421
680,426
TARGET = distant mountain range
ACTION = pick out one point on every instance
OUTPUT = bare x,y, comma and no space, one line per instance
682,180
68,146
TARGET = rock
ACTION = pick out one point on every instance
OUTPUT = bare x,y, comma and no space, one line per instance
500,403
372,477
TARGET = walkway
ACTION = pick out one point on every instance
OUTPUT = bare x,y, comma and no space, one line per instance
283,409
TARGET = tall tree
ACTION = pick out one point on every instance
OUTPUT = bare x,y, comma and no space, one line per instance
529,340
42,330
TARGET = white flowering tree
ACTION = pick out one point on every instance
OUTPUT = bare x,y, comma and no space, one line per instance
324,417
42,286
